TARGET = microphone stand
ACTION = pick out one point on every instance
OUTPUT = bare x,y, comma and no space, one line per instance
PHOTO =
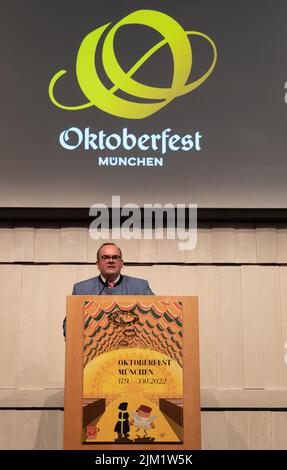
106,284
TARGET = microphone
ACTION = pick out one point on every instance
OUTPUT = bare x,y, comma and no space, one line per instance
106,284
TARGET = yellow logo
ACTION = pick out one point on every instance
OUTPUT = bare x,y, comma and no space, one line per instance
106,99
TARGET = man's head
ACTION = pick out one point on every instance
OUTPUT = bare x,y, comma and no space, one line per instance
109,261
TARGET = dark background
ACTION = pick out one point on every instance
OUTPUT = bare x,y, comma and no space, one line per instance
239,110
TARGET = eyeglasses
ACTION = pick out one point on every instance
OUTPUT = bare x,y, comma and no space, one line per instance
108,258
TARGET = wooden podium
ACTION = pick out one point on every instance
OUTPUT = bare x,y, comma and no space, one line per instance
151,341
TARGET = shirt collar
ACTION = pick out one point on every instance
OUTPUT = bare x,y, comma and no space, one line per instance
115,281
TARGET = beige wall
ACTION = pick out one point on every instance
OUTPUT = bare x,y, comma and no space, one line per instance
240,276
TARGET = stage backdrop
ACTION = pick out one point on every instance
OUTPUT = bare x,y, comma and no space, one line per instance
104,98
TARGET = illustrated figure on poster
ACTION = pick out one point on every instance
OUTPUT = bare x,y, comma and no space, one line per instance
122,426
142,419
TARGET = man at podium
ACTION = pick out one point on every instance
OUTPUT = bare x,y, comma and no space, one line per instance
110,280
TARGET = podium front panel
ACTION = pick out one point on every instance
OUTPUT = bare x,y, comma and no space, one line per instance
132,373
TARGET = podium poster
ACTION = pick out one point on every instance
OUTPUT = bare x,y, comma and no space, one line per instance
132,372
